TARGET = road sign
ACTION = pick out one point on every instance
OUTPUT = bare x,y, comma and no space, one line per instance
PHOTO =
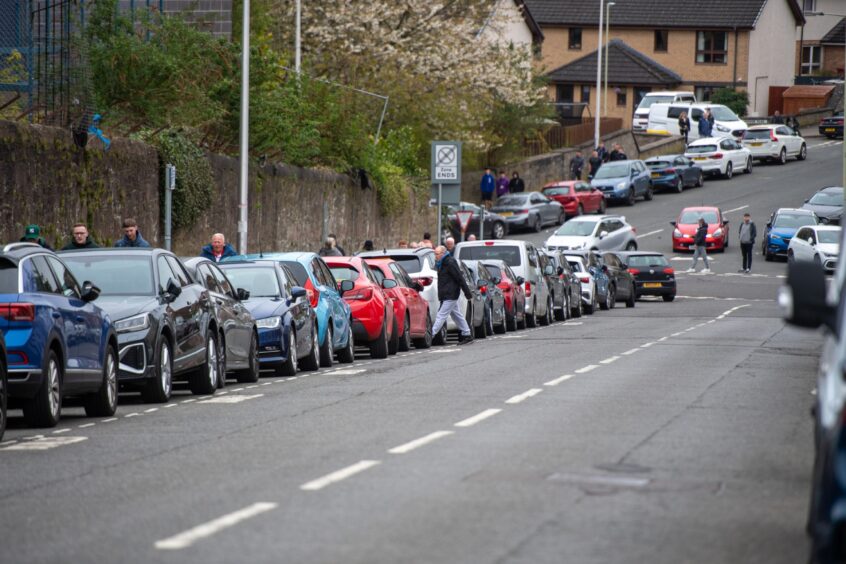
446,162
464,217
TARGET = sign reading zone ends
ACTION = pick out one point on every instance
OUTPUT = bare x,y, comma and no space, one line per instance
446,162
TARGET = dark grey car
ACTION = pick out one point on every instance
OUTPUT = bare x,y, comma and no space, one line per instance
529,210
827,203
564,286
493,299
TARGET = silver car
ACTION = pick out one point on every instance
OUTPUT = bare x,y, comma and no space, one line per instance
594,233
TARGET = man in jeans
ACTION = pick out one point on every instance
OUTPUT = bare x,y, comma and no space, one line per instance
450,285
747,232
699,247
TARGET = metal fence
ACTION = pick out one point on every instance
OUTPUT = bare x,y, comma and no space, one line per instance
16,77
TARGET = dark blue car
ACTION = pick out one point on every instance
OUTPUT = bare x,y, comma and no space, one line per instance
781,228
58,343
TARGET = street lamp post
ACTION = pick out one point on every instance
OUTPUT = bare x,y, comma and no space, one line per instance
598,76
245,129
607,38
298,36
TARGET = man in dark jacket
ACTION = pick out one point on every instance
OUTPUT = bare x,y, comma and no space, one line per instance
516,185
81,239
576,166
699,242
218,249
131,235
451,284
746,234
705,125
595,162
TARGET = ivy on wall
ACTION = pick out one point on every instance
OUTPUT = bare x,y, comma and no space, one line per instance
194,178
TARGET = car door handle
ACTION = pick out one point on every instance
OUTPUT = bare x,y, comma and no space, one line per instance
56,315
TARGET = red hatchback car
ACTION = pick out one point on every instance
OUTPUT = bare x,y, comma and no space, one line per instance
374,324
409,305
685,228
512,289
576,196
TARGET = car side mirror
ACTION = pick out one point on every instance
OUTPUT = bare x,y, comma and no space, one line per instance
803,298
547,270
425,281
603,235
90,292
520,280
769,224
812,242
604,269
725,222
298,292
172,291
346,286
387,283
242,294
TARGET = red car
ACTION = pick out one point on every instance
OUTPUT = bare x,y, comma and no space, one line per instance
374,324
512,289
576,196
409,305
685,228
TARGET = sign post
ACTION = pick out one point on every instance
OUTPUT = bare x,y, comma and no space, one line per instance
464,217
446,171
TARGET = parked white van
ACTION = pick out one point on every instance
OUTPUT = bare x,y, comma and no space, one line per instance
641,114
664,119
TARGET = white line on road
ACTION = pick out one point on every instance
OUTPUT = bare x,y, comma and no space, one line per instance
58,431
647,345
650,233
170,405
132,414
677,334
470,421
109,420
524,396
662,339
736,209
609,360
151,410
189,400
631,352
558,380
87,425
586,369
189,537
339,475
417,443
350,371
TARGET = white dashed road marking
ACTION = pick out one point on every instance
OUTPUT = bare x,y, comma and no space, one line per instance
609,360
350,371
470,421
558,380
189,537
230,399
417,443
650,233
339,475
736,209
44,443
524,396
631,351
586,369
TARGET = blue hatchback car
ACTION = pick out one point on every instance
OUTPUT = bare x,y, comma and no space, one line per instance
623,181
781,228
333,312
58,343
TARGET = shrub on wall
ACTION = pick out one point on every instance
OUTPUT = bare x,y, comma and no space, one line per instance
194,178
736,100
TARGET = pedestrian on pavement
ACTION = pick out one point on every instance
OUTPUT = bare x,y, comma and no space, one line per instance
32,234
704,125
684,126
617,154
747,233
594,162
502,185
427,240
80,239
699,240
218,249
576,166
487,187
449,243
471,237
329,249
602,152
451,284
337,246
402,244
777,118
793,124
131,235
516,185
612,156
366,246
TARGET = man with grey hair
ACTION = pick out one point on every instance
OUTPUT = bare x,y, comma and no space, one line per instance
329,249
218,249
449,243
450,285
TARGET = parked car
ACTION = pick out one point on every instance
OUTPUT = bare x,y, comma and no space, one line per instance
684,228
4,386
409,305
529,210
563,283
719,155
623,181
237,340
492,299
287,325
622,281
832,126
816,243
495,226
163,319
577,197
58,343
641,113
594,282
334,320
664,119
827,204
781,228
674,172
653,275
774,142
512,291
374,324
474,313
605,232
522,257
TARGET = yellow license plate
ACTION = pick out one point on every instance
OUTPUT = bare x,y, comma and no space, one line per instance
506,214
655,175
651,284
700,158
829,129
756,144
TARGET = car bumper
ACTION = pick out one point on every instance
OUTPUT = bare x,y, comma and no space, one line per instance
615,194
136,351
664,181
686,244
513,221
368,318
778,246
710,167
831,130
24,382
667,288
764,151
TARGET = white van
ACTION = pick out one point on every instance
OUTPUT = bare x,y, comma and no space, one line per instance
664,120
641,114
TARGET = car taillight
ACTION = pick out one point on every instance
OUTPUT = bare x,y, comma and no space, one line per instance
669,270
634,271
313,298
584,279
634,230
839,121
483,290
528,289
17,311
773,137
523,211
670,171
361,294
489,243
717,156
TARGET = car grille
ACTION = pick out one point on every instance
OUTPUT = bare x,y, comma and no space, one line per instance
133,358
831,263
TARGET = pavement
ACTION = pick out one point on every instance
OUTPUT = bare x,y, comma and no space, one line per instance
666,433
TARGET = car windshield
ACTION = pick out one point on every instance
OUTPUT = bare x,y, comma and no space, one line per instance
645,261
657,164
411,264
721,113
576,228
692,216
513,200
344,273
8,277
827,236
700,149
649,100
557,191
826,199
259,281
755,134
297,270
576,266
114,275
510,254
612,170
793,220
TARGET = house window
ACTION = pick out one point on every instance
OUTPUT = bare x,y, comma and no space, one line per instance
564,93
809,6
621,96
703,92
661,37
575,41
711,47
811,58
586,94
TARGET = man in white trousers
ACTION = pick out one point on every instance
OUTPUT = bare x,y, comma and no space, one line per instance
450,285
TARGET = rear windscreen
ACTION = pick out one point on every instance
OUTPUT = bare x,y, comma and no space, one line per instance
411,264
645,261
344,272
757,134
494,270
8,277
507,253
701,149
297,270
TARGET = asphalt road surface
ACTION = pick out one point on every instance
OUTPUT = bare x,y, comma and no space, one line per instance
668,433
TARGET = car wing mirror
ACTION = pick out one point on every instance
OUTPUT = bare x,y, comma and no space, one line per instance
725,222
172,291
604,269
242,294
603,235
548,270
346,286
769,224
481,284
425,281
496,280
520,280
560,270
803,297
90,292
387,283
298,292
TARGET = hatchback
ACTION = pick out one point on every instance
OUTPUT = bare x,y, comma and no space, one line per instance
529,210
492,301
684,228
816,243
576,196
652,273
596,233
593,280
623,181
832,126
512,291
622,281
781,228
674,172
774,142
409,305
564,287
719,155
827,203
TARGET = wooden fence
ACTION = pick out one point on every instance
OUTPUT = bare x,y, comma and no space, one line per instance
561,136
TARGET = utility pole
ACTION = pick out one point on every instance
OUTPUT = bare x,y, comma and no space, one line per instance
598,76
298,38
245,130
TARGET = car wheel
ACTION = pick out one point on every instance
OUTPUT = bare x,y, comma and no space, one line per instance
221,361
561,315
498,231
767,256
817,260
630,201
602,206
511,319
502,327
700,180
679,185
648,195
631,246
425,341
537,225
393,344
546,318
729,172
610,300
405,338
312,361
579,310
290,366
668,297
347,354
580,210
632,299
159,388
803,153
523,323
478,332
489,326
251,373
591,307
203,380
379,347
103,403
562,217
749,165
532,319
327,351
45,409
790,258
782,156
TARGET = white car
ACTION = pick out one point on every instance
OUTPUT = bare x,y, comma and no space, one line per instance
594,233
588,284
816,243
719,155
774,142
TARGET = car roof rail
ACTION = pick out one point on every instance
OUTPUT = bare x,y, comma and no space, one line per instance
20,245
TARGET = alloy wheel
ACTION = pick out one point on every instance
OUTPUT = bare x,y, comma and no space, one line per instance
165,369
111,380
53,390
212,362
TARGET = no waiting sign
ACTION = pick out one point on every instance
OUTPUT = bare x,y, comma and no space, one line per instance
446,162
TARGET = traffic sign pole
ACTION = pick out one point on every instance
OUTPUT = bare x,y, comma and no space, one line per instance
440,218
482,212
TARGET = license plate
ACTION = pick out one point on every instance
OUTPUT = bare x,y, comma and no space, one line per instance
756,144
700,158
651,284
829,129
506,214
655,175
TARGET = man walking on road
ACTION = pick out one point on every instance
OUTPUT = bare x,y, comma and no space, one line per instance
450,285
218,249
747,232
699,247
487,187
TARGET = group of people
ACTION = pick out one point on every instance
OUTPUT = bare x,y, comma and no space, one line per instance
746,232
598,157
499,186
81,239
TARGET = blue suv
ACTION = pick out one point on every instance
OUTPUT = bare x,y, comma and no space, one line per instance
781,228
624,181
58,343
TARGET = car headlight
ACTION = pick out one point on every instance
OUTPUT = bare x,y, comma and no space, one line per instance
677,233
774,236
718,233
269,322
621,185
722,128
134,323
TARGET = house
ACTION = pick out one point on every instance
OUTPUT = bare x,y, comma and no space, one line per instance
511,23
819,43
696,45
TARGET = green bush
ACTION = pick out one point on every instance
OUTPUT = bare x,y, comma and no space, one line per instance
194,178
736,100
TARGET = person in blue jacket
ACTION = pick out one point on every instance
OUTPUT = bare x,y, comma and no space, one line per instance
218,249
131,235
705,125
487,187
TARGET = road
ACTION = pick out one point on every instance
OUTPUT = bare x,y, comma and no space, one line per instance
667,433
